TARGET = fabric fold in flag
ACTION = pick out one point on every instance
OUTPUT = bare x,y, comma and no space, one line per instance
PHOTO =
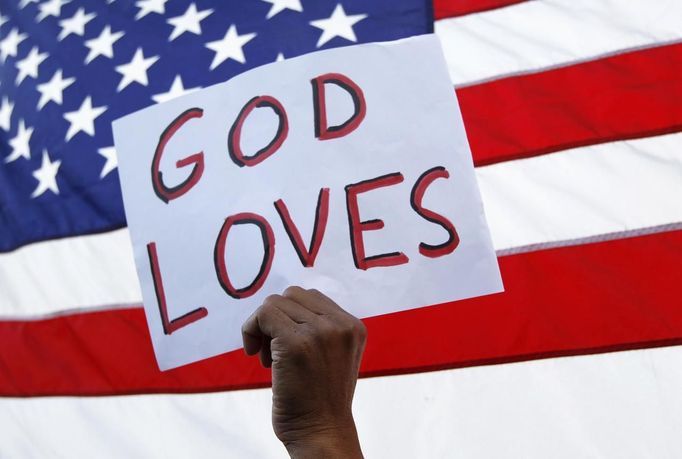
540,35
531,202
631,95
449,8
594,306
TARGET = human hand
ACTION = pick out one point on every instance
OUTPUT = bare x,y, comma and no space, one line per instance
314,348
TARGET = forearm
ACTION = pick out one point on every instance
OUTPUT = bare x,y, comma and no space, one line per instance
314,348
331,443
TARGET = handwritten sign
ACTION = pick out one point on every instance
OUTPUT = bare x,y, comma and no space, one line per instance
346,170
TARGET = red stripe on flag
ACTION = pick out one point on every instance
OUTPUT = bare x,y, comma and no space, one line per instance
582,299
632,95
451,8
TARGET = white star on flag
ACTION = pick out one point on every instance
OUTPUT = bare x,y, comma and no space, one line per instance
24,3
190,21
103,45
280,57
6,109
28,66
176,90
109,154
83,119
19,143
46,176
280,5
230,47
3,20
10,44
339,24
53,89
150,6
50,8
135,70
75,24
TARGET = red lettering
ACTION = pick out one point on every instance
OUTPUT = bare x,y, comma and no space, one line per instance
234,137
221,247
307,256
169,326
167,194
423,182
357,227
322,130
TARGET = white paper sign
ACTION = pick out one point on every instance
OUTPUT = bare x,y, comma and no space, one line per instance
345,170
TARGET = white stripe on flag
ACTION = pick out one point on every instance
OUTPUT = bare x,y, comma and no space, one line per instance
584,192
618,405
70,273
540,34
579,193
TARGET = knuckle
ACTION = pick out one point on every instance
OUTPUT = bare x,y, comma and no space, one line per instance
292,290
271,300
354,331
268,307
319,296
347,330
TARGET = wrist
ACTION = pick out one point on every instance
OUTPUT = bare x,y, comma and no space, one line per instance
332,441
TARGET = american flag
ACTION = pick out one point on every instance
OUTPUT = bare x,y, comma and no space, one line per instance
573,109
70,68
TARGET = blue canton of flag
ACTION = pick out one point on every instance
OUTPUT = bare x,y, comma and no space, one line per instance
68,68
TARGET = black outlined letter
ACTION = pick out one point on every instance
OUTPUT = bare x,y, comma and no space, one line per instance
322,130
169,326
306,255
167,194
221,246
234,138
357,227
420,186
